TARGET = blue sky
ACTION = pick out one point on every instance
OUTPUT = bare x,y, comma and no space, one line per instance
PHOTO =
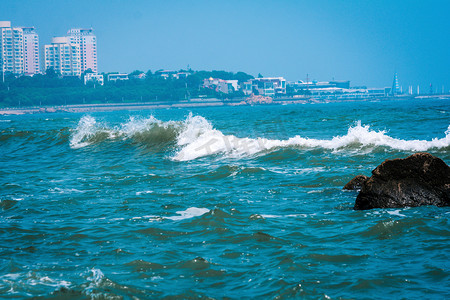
362,41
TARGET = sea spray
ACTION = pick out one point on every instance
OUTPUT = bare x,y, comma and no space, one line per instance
148,131
195,137
210,141
88,131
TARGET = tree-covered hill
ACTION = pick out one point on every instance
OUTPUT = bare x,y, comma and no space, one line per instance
51,89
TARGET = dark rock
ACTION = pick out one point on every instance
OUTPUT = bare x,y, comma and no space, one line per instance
356,183
420,179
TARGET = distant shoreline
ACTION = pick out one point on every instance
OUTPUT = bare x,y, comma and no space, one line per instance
105,107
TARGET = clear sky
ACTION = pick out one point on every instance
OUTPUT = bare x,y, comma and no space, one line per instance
364,41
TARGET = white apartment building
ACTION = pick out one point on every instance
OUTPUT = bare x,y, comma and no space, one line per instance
87,42
30,51
11,48
19,49
63,57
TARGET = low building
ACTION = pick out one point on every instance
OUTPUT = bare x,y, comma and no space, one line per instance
172,74
95,78
165,73
182,75
335,93
313,85
268,86
221,85
117,76
381,92
140,76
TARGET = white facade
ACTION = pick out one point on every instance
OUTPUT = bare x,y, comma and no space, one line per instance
92,77
87,42
220,85
63,57
117,76
31,51
268,86
11,48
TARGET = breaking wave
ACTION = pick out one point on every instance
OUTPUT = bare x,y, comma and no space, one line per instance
149,131
195,137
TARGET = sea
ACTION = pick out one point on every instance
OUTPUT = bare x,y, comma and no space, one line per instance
242,202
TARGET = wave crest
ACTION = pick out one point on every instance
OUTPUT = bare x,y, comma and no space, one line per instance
150,132
195,137
211,141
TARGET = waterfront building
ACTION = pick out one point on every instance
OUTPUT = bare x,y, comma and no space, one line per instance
268,86
92,77
87,41
117,76
313,85
11,48
30,51
63,57
337,93
221,85
247,88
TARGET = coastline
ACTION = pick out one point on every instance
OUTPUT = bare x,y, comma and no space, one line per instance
80,108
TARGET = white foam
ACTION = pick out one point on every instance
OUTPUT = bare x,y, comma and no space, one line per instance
200,139
87,128
197,138
144,192
12,276
191,212
396,213
271,216
58,190
139,125
32,279
94,278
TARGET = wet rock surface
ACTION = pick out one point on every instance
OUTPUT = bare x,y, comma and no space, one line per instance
420,179
356,183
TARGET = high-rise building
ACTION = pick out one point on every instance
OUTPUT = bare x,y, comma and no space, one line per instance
30,51
63,57
11,48
87,41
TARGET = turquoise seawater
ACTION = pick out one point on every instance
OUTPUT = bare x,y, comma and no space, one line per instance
218,203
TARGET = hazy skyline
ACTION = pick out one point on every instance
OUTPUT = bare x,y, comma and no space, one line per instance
361,41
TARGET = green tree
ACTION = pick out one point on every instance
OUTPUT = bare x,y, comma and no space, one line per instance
51,73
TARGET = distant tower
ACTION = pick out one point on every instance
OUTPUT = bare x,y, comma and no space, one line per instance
395,87
30,51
